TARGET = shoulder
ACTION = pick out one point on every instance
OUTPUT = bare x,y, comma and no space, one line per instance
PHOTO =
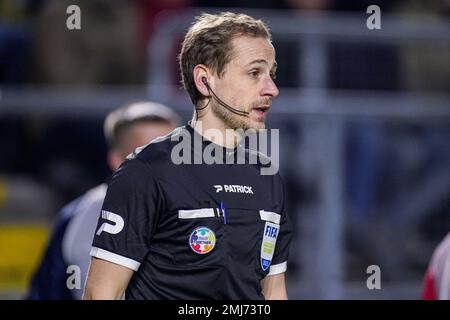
147,162
81,227
89,203
92,198
159,149
95,194
441,255
262,158
268,167
70,210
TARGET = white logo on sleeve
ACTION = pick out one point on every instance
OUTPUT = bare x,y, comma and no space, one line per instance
218,188
108,227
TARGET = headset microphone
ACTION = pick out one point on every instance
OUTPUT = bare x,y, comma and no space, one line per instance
234,110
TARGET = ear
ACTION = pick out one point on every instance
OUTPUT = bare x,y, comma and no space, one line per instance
201,71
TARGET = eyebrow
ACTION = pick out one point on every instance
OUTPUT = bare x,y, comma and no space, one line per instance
263,61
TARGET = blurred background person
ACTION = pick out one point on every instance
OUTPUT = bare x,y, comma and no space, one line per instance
125,129
436,284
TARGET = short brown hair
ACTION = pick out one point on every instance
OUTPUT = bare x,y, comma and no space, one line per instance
120,120
208,42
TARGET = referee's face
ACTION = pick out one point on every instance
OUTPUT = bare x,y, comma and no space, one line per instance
247,83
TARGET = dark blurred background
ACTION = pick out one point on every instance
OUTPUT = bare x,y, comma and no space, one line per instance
364,121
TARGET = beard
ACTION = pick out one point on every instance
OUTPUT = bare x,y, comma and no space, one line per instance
235,121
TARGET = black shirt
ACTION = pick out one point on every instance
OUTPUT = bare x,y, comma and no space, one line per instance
193,231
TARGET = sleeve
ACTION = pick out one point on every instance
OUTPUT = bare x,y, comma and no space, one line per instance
129,215
281,254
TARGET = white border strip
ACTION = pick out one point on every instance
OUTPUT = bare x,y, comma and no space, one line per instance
115,258
277,268
196,213
270,216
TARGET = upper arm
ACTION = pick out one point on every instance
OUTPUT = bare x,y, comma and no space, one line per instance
124,230
106,280
129,216
274,287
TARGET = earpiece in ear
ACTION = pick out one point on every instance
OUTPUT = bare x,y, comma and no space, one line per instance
205,81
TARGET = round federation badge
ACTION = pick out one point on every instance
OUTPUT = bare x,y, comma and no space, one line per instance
202,240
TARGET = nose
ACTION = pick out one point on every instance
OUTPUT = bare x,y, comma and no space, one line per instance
270,88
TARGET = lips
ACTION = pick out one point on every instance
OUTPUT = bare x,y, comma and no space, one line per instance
261,111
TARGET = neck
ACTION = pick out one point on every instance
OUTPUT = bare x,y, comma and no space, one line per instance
214,129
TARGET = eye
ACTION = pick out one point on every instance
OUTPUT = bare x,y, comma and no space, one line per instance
273,76
254,73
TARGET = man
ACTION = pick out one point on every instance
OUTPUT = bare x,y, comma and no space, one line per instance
172,230
62,272
437,277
